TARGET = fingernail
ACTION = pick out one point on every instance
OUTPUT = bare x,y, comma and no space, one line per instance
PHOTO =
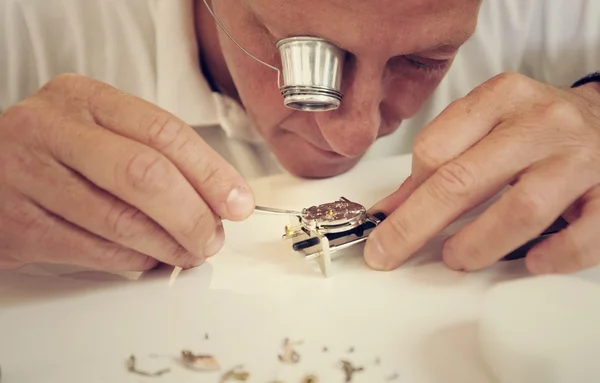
198,261
194,262
240,202
375,256
215,243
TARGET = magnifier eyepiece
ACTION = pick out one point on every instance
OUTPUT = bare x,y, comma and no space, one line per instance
311,68
312,72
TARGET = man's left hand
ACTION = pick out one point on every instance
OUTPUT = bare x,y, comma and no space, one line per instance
542,141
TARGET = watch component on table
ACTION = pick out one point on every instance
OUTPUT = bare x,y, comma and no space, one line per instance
202,362
237,373
132,368
207,362
322,230
349,369
289,354
310,379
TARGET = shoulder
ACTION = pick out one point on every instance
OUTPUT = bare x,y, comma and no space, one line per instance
109,40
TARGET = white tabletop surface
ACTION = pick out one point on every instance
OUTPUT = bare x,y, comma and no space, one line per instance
63,325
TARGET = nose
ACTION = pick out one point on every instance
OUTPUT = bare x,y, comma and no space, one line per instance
352,128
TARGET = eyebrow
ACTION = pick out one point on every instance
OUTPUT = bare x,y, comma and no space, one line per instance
449,46
445,48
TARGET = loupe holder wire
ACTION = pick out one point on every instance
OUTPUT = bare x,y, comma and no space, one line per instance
241,47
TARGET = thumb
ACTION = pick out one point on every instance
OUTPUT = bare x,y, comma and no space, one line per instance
397,198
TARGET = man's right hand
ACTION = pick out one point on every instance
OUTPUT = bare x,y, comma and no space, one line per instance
93,177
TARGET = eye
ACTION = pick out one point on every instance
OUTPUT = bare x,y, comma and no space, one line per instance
430,65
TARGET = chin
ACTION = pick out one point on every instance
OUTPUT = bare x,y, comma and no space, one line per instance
308,168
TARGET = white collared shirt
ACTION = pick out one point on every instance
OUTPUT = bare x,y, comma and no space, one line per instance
148,48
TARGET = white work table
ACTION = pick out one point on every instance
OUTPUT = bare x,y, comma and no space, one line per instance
66,325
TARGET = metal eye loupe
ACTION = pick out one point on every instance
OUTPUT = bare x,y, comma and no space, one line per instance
312,71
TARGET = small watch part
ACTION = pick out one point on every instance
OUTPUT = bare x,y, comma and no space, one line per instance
321,230
332,217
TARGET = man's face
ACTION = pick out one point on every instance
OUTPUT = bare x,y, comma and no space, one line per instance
397,53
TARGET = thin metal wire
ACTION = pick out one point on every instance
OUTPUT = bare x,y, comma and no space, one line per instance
273,210
242,48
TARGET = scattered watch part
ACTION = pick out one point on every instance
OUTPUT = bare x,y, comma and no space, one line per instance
289,354
349,369
200,362
131,367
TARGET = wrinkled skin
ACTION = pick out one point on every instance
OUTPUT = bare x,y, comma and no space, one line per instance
93,177
544,142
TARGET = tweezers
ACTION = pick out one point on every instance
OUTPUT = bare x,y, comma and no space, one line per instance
522,251
272,210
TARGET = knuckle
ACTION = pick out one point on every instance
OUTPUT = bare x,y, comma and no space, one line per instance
527,209
201,225
25,226
453,180
508,83
122,220
59,83
19,119
148,173
562,111
510,80
116,257
80,92
583,157
426,153
162,129
468,255
400,230
179,256
211,174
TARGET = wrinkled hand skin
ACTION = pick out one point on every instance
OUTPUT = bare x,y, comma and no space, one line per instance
539,142
93,177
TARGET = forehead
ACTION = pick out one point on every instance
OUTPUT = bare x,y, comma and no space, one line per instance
361,25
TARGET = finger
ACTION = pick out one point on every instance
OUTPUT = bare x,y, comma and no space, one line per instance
391,202
465,122
451,191
141,177
73,198
220,185
44,237
540,195
574,248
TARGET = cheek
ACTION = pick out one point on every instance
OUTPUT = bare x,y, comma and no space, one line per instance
405,95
